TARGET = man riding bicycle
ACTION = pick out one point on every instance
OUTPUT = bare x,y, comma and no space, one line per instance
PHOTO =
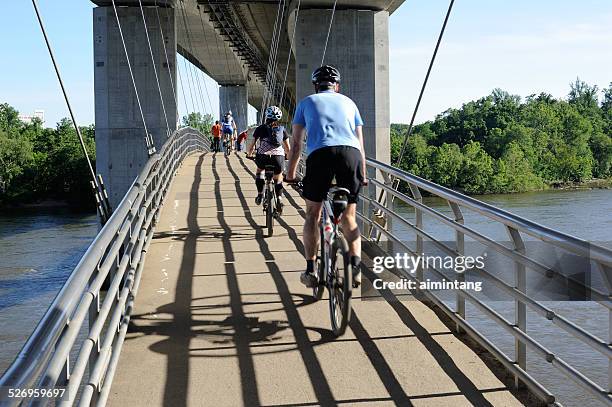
334,149
228,125
272,150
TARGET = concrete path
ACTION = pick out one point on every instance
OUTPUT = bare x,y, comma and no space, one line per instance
221,318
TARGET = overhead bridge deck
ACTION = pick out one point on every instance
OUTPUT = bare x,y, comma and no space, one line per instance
222,319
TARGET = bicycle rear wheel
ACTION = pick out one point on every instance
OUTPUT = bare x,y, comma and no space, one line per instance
341,289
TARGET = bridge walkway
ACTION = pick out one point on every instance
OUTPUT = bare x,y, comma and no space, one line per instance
221,318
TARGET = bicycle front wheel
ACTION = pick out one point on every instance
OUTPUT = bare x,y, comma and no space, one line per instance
342,286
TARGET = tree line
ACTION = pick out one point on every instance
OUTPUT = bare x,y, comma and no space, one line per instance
496,144
38,163
500,143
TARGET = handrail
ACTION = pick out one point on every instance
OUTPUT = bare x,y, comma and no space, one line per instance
569,242
515,225
117,251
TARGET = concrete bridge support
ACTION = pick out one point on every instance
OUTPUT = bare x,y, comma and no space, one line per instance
236,99
121,150
359,47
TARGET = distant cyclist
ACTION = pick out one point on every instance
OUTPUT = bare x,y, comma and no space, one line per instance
272,150
334,148
229,128
242,137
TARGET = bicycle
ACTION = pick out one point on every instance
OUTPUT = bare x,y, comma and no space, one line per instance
270,201
333,269
227,145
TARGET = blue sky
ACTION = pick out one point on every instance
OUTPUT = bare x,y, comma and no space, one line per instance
521,46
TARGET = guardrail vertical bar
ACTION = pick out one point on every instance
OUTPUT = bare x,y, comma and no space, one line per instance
460,248
520,309
418,214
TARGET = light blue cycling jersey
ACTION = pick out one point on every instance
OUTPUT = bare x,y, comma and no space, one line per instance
330,120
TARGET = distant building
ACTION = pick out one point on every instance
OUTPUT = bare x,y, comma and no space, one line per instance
39,114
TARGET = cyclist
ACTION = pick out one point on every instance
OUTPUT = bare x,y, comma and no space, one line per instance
228,125
334,148
242,137
273,149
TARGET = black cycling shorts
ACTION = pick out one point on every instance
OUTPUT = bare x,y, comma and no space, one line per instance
276,161
322,165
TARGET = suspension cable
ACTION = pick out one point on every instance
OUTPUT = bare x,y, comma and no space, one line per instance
161,97
99,191
275,64
226,60
208,48
416,108
148,138
195,77
331,21
194,101
163,39
297,12
270,59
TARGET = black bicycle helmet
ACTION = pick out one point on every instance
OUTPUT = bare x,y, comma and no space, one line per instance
326,74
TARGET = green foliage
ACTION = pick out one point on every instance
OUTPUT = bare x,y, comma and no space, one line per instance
499,144
197,121
39,163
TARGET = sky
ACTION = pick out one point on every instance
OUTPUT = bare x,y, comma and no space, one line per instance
522,46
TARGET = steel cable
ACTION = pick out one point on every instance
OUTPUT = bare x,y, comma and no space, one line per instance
416,107
270,59
297,12
196,79
331,21
163,38
99,191
161,96
148,138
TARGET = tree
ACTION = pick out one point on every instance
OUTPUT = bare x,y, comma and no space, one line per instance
583,96
199,122
15,155
477,171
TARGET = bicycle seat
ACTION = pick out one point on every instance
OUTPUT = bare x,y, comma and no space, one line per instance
339,198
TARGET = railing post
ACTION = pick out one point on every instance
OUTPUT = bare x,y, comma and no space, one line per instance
460,248
418,214
520,309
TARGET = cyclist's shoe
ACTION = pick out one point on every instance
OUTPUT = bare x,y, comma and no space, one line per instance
308,279
279,207
258,199
356,277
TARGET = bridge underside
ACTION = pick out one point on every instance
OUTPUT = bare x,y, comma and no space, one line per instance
222,320
231,42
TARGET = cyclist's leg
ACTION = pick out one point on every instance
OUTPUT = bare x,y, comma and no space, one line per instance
311,229
319,175
278,161
260,181
349,175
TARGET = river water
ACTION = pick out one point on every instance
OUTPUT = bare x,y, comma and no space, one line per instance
39,250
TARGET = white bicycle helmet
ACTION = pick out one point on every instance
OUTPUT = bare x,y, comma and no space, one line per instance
274,113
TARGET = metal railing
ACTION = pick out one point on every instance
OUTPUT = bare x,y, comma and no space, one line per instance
384,177
85,319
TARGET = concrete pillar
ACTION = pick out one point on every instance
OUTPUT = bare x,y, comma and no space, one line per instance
359,47
121,149
236,99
